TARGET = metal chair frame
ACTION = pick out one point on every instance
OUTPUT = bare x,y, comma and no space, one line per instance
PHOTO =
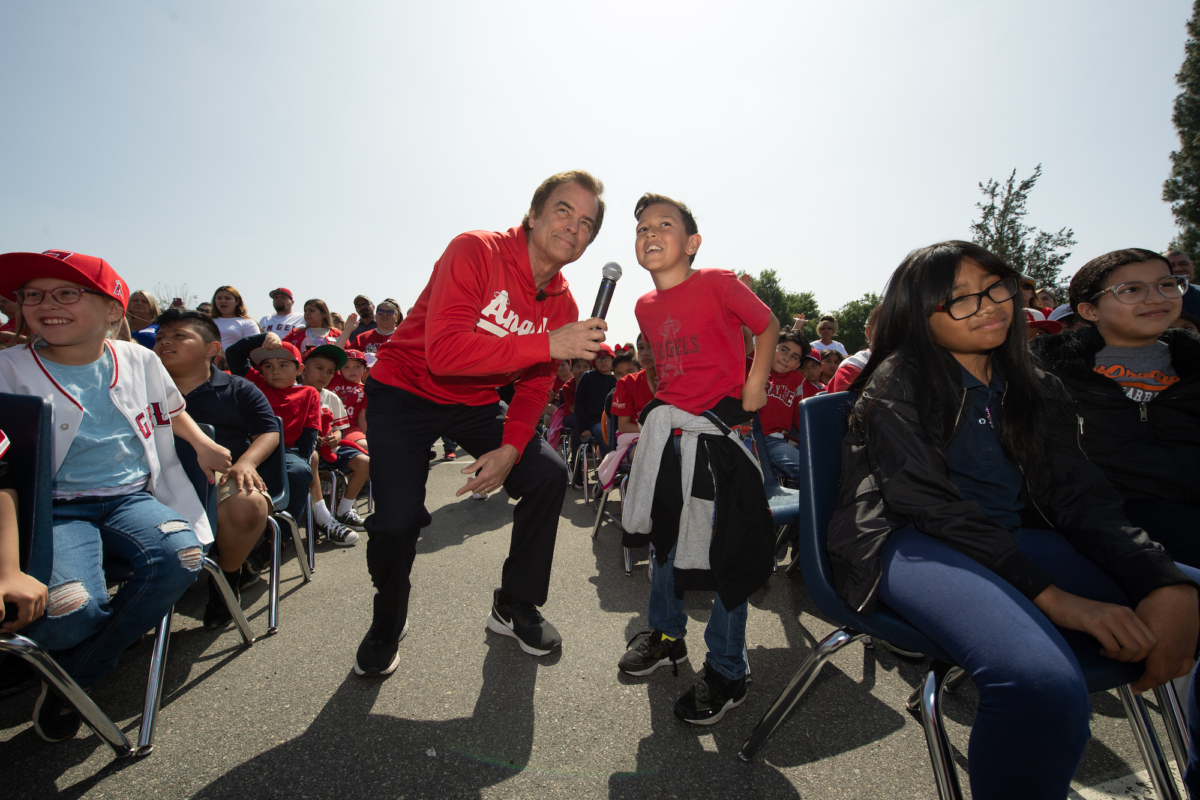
274,471
822,419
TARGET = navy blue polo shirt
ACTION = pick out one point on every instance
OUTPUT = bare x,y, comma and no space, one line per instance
978,465
234,407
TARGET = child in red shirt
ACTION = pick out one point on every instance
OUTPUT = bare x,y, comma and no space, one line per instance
348,386
693,321
785,390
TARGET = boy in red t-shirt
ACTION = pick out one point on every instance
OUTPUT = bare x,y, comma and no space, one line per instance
782,411
693,320
278,365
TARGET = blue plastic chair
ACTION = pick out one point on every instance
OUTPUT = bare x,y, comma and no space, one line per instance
784,502
822,427
26,421
273,471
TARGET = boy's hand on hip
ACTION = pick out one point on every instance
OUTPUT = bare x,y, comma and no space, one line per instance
754,397
490,470
578,340
1172,614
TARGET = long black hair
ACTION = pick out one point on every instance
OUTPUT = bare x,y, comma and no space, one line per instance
922,282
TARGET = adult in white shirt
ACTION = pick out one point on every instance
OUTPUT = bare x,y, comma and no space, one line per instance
229,312
284,319
827,329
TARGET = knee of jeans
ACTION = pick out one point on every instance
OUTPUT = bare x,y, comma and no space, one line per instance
1057,696
66,598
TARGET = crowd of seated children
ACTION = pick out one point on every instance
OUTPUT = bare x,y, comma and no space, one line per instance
274,371
590,394
321,364
711,306
1136,386
230,315
784,392
118,484
997,551
318,328
244,424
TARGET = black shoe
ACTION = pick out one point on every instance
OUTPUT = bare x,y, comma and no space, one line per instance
651,652
49,722
260,557
523,622
15,676
216,613
378,657
713,695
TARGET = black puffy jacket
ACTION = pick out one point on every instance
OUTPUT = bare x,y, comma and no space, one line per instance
893,476
1147,450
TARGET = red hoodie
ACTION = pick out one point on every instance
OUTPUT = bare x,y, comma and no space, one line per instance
479,313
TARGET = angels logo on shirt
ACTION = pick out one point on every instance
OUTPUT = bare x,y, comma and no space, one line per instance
504,321
668,353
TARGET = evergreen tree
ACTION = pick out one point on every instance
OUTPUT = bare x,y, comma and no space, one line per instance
1182,189
1001,228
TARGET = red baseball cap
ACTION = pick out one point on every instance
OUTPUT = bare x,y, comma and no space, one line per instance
356,355
90,271
281,290
1036,319
285,350
814,355
605,350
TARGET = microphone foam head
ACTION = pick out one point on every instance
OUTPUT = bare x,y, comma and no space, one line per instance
612,270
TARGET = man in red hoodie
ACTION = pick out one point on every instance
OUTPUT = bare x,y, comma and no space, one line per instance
496,310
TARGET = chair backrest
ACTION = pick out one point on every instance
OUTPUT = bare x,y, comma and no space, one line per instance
822,428
273,471
206,491
26,421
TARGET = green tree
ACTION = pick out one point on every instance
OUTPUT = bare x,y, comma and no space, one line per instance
1001,228
784,305
852,322
1182,189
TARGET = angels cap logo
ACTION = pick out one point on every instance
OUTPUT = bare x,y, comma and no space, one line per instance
61,255
117,288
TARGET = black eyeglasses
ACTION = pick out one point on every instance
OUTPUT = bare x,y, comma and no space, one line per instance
1133,292
968,305
63,295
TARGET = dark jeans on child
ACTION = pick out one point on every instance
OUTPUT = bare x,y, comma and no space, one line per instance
403,427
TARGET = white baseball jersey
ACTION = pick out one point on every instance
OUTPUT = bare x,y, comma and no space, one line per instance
281,324
143,392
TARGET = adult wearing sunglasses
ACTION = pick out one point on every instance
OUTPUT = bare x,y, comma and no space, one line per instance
1136,385
386,317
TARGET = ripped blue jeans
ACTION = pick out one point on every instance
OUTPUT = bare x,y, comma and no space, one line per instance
83,628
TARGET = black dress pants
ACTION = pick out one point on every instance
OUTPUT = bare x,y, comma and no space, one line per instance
402,428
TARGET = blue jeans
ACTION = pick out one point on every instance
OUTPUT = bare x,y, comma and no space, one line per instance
725,633
299,478
784,457
82,627
1031,726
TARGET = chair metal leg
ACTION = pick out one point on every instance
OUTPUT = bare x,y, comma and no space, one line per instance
795,689
231,600
370,497
1173,720
587,488
310,533
18,646
154,684
926,705
1147,742
305,568
628,562
600,503
277,556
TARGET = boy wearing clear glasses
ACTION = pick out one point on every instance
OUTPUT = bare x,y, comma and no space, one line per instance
1136,384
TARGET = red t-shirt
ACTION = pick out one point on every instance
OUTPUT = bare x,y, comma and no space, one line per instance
479,325
567,390
304,341
370,341
632,395
782,410
696,331
353,396
298,406
808,389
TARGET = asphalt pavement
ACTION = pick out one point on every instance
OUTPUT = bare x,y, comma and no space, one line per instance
468,714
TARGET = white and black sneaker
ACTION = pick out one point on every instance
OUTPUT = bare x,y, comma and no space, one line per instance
352,520
378,656
522,621
649,650
713,695
337,533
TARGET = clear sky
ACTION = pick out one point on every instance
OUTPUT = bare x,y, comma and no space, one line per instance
337,148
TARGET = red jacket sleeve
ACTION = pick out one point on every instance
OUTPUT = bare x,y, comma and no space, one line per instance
452,346
529,400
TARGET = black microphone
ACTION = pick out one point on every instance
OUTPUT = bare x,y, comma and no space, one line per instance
611,273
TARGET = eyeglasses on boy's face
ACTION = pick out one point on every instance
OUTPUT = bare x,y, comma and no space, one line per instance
968,305
1133,292
63,295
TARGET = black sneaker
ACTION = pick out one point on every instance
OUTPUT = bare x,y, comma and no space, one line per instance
216,613
49,721
378,657
650,652
523,622
15,675
713,695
